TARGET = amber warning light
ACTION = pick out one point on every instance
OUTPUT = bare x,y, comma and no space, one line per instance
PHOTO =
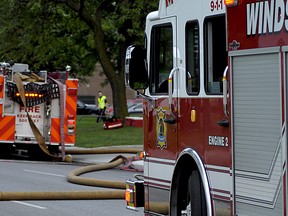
134,194
231,3
32,95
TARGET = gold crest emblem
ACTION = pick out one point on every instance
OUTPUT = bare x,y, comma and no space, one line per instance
161,128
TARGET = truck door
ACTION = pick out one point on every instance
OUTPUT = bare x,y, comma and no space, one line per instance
161,132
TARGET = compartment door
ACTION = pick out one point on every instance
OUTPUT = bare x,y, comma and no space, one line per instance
258,130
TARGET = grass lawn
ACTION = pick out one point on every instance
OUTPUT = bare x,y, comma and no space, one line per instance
90,134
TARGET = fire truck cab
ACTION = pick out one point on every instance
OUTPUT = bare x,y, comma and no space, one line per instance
187,143
215,115
258,54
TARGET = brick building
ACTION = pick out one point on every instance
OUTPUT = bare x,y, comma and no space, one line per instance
88,92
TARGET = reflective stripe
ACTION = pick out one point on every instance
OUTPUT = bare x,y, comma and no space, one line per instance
55,130
7,128
70,110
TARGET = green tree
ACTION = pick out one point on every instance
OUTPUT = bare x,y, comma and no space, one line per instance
45,38
52,33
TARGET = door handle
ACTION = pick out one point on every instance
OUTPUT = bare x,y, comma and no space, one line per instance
223,123
170,120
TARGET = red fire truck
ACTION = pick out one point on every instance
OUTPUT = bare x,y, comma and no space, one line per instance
50,100
213,75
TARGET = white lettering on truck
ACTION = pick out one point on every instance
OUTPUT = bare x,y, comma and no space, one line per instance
217,141
262,17
34,114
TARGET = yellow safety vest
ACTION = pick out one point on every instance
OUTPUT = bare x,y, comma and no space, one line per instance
102,102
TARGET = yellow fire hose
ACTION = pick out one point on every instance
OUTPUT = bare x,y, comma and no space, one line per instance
74,177
104,150
63,195
77,195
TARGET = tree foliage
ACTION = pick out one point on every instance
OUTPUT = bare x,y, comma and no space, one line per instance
49,34
45,37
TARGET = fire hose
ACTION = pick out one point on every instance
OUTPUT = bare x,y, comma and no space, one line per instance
73,177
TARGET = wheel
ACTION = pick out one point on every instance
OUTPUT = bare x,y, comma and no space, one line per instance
196,204
6,150
196,196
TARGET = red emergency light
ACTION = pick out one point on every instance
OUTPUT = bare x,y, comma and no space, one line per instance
231,3
70,117
72,91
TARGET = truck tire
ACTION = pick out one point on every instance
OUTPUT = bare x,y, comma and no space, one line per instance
187,194
196,195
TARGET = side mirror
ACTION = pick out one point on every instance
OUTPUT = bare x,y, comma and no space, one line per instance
136,75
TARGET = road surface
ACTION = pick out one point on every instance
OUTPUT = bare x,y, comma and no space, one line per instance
17,175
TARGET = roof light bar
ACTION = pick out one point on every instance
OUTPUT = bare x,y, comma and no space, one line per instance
231,3
32,95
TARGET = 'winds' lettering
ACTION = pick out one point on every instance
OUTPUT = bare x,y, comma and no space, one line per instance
263,17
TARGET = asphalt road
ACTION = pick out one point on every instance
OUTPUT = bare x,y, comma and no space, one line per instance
48,176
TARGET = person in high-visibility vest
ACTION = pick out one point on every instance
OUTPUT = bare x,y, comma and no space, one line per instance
102,103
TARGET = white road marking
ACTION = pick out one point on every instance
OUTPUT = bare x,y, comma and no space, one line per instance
44,173
30,205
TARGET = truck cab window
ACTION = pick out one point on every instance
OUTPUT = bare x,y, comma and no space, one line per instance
215,54
161,58
192,57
